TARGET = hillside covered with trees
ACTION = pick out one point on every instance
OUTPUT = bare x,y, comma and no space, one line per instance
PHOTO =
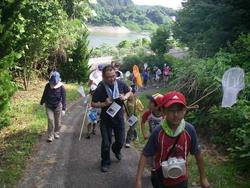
125,13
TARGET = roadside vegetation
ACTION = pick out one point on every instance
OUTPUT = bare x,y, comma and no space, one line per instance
28,124
36,38
221,170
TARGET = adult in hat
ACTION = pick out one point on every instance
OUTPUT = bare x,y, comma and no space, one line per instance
54,97
96,76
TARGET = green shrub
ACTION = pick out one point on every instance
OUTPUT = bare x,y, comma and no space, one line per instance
234,124
229,128
7,87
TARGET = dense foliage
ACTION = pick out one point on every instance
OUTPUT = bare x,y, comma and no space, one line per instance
160,40
125,13
202,77
205,26
77,65
35,38
7,87
123,49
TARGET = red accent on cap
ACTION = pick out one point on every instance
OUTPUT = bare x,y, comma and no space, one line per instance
174,97
157,98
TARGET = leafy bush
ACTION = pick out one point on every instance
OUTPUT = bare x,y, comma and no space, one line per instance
234,124
7,87
229,128
197,78
160,40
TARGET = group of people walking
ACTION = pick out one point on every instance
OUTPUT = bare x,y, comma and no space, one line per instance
155,76
169,140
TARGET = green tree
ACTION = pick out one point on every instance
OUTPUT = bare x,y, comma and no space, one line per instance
7,86
155,16
160,40
9,11
205,26
77,65
124,44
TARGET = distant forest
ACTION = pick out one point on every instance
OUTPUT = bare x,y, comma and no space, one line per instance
126,13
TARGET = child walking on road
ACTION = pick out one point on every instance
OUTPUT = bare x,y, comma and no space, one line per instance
92,116
133,106
170,145
153,115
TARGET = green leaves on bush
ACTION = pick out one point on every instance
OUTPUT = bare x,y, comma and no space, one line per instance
7,87
234,124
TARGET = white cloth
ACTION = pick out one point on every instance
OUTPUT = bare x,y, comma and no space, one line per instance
232,84
81,91
96,77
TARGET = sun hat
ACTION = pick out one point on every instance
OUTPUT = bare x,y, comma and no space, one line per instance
54,78
100,67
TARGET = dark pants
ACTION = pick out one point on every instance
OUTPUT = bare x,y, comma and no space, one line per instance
131,134
156,179
106,132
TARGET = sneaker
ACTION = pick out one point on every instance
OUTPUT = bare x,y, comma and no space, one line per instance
127,145
88,136
118,156
104,169
50,138
56,135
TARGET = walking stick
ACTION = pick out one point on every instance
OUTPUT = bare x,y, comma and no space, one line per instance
83,121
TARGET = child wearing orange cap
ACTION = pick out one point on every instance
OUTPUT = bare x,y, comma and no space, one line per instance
153,115
170,145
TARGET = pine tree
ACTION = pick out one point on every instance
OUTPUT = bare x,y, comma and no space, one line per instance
77,67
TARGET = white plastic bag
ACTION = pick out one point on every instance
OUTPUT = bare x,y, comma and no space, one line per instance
232,84
81,91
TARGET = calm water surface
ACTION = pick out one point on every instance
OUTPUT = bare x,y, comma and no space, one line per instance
98,38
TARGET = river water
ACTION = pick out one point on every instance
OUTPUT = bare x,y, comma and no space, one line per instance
98,38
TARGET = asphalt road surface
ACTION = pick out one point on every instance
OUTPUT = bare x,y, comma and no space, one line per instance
68,162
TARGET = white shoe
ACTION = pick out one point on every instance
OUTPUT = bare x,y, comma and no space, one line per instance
127,145
56,135
50,138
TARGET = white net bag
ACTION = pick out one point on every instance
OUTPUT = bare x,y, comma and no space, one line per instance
232,84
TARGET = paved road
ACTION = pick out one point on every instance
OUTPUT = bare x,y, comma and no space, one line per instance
68,162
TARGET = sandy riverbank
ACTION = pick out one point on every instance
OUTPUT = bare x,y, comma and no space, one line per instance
108,29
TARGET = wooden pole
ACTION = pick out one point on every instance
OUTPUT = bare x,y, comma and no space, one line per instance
85,114
209,93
